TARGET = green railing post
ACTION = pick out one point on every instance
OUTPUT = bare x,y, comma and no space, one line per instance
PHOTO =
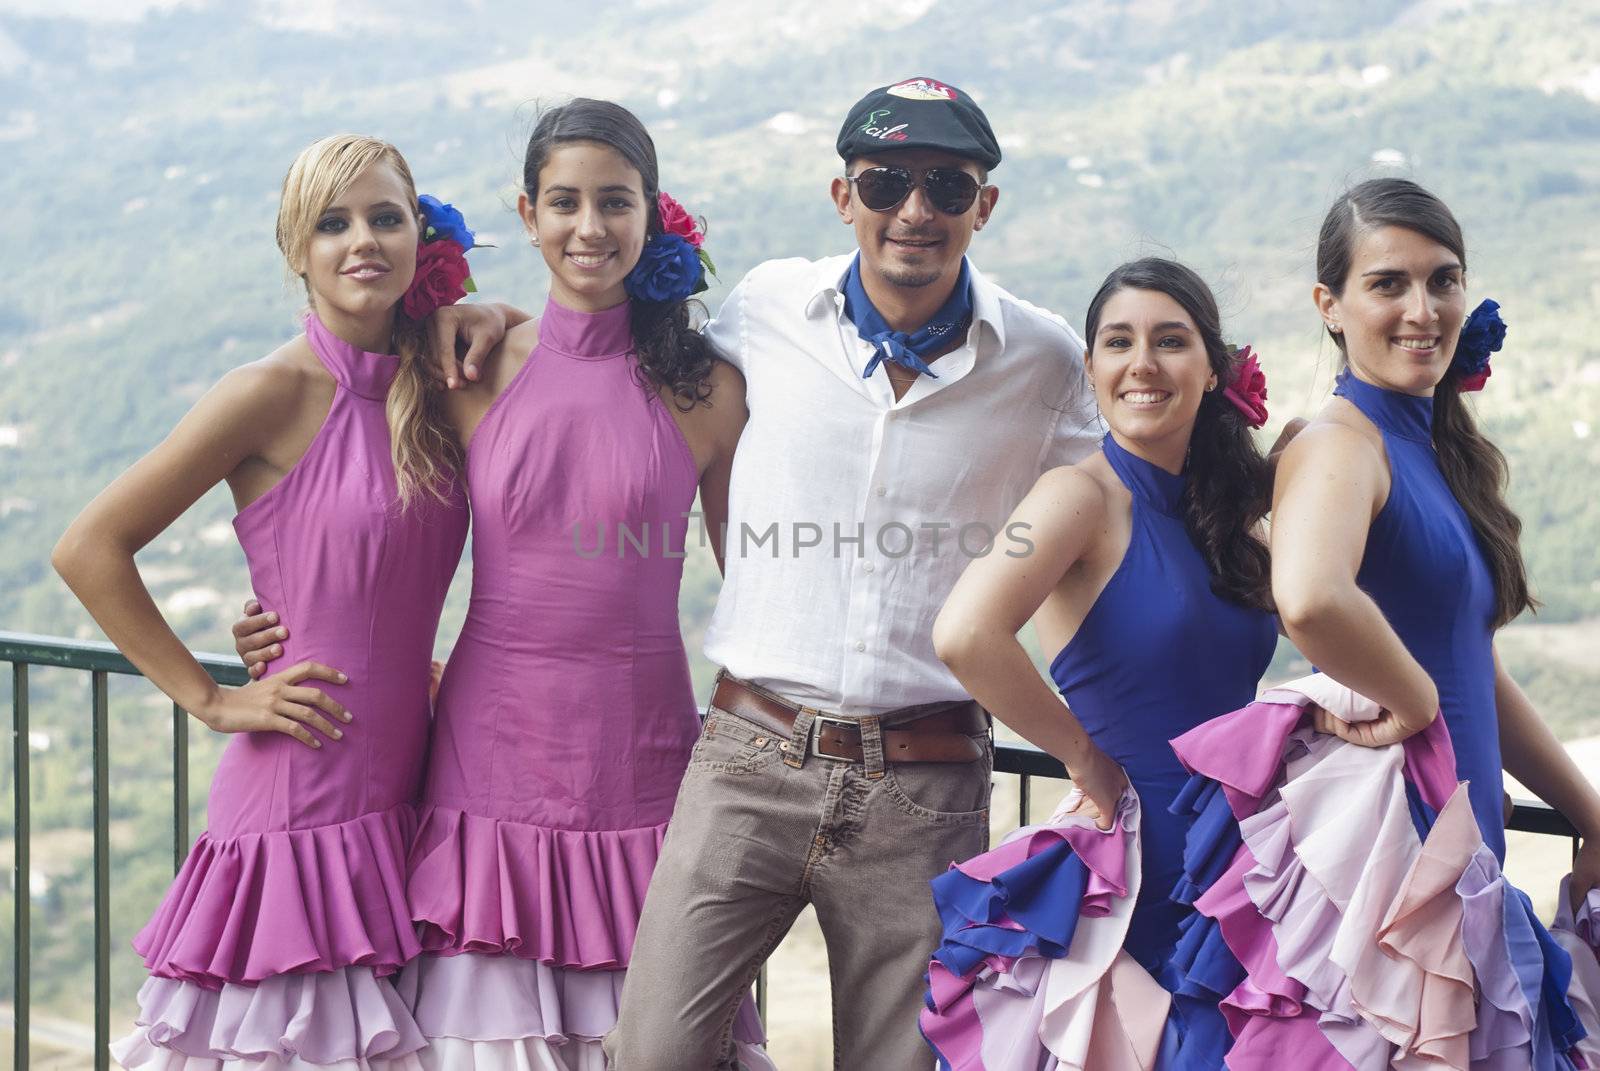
180,787
101,746
21,867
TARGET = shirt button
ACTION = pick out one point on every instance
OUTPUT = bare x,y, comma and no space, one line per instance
882,491
860,646
866,567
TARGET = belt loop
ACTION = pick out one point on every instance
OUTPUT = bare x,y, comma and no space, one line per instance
800,738
872,748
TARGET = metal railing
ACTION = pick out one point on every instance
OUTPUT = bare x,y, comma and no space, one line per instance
100,660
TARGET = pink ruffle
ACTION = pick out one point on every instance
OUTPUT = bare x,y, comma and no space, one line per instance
569,898
1579,933
263,904
146,1057
1356,941
489,1012
1243,750
345,1017
1430,981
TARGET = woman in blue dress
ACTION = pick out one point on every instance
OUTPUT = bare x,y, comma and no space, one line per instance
1148,575
1395,554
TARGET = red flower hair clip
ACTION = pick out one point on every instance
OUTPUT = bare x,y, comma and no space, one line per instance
1248,391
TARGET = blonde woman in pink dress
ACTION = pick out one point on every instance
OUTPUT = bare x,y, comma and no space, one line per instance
279,942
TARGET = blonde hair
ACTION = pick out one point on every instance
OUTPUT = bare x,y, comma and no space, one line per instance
421,443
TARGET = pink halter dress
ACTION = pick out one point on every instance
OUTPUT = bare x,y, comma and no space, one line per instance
277,941
566,715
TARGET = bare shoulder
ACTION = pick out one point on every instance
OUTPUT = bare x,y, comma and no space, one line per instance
727,392
726,380
274,385
1337,436
1077,489
504,362
521,339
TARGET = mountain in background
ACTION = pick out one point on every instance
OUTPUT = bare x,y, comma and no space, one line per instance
145,144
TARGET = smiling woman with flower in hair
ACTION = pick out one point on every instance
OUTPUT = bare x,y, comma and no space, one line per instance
1149,579
279,940
1365,917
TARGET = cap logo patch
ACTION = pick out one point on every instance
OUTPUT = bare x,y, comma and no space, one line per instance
922,89
876,126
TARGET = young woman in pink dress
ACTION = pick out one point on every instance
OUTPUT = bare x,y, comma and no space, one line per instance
566,714
278,943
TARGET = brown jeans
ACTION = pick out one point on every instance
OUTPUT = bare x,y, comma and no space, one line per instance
760,829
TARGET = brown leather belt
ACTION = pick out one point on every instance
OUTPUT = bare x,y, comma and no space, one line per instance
944,734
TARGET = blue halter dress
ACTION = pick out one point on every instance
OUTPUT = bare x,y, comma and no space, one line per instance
1156,655
1425,570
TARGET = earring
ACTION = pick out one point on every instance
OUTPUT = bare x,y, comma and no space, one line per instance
534,241
1335,328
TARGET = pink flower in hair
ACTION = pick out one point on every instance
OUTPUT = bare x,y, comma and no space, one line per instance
1248,391
675,219
442,278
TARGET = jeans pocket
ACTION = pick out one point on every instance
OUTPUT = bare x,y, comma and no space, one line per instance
943,792
732,745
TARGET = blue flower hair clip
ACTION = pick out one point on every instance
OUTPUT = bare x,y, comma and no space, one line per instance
672,266
445,221
1482,335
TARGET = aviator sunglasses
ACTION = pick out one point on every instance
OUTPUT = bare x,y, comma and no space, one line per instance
948,189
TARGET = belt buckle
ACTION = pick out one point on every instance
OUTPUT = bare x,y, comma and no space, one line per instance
816,736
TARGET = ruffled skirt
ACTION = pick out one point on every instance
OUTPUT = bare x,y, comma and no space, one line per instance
1030,974
504,949
526,933
279,949
1347,912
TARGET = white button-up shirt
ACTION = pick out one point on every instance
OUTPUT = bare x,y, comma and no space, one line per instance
852,514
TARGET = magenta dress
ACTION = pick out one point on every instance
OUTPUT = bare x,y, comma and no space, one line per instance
566,715
277,941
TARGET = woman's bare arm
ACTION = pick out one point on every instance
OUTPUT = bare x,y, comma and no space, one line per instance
95,556
723,424
1330,484
1530,752
976,631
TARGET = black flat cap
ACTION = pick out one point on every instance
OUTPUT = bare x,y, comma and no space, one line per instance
918,113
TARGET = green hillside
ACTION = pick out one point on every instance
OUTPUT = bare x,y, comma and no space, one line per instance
143,160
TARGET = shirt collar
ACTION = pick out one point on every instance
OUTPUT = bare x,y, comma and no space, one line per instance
826,293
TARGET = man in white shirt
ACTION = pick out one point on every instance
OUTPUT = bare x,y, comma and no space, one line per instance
900,406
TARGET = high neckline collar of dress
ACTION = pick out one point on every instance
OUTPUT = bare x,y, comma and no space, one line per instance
588,336
1405,415
1155,485
356,370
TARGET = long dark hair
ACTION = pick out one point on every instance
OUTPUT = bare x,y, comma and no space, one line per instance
1229,487
1473,467
666,337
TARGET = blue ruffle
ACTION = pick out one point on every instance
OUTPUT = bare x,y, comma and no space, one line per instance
1212,841
1203,969
1041,894
1547,993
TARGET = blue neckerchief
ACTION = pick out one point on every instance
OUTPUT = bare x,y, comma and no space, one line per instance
905,349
